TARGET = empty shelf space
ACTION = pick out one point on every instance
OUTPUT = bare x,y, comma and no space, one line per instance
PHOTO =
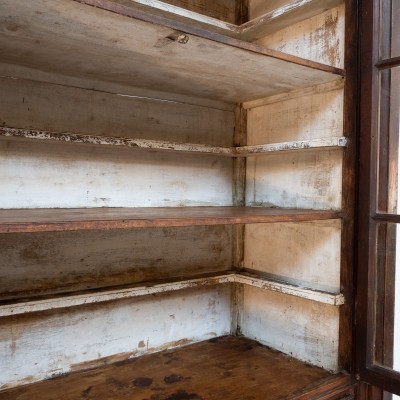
140,45
267,23
57,219
222,368
16,307
325,143
158,145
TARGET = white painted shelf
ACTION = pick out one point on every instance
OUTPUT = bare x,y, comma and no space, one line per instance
68,38
157,145
25,307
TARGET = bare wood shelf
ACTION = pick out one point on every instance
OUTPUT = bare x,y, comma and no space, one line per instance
158,145
17,307
140,44
221,368
57,219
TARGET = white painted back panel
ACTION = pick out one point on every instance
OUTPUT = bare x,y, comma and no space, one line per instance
40,346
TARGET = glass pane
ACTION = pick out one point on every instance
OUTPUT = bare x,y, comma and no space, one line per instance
387,334
390,396
390,38
388,175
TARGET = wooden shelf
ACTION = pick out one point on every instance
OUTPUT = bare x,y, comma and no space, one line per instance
56,219
225,368
262,149
68,38
17,307
157,145
289,14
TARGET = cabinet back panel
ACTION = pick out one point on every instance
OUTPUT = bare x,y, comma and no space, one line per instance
69,261
44,106
304,329
57,175
306,254
39,346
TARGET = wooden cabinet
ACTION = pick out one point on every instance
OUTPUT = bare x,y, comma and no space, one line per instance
176,172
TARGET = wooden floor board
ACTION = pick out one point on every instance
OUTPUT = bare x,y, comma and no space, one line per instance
227,368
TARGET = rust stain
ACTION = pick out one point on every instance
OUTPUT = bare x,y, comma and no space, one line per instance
141,344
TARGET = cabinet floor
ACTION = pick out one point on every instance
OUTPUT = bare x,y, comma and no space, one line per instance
226,368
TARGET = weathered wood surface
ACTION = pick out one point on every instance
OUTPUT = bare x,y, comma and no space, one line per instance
42,220
54,303
131,114
320,38
223,368
306,254
307,180
67,262
145,144
271,20
305,329
78,29
42,345
10,308
325,143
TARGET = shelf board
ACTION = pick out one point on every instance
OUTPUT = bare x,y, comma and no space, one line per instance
57,219
101,296
140,49
225,368
10,307
158,145
289,14
251,279
325,143
145,144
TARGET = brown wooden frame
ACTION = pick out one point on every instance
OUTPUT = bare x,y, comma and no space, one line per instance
368,217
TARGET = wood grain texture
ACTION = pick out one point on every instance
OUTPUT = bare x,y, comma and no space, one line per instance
223,368
67,262
42,220
146,61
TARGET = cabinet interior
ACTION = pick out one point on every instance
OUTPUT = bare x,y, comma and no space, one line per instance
171,175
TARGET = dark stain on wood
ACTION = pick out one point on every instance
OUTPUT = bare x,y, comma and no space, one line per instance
183,395
173,379
142,382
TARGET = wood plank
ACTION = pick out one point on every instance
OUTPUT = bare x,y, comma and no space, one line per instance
99,296
9,308
325,143
155,145
203,64
262,282
158,145
53,219
222,368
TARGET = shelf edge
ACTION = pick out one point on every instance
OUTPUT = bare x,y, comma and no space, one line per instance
252,280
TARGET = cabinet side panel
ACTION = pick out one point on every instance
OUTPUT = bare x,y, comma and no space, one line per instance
45,106
307,117
69,261
39,346
311,179
306,254
302,328
318,38
53,175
